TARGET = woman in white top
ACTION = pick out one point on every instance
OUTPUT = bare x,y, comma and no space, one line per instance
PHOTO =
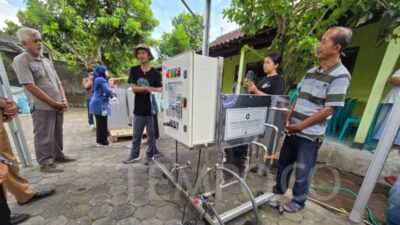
387,106
388,102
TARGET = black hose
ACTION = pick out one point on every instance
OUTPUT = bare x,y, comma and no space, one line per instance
195,183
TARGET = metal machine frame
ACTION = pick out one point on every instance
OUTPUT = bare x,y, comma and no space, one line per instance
221,145
15,125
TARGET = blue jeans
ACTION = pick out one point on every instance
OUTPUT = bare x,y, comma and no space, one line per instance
139,122
393,213
90,116
300,154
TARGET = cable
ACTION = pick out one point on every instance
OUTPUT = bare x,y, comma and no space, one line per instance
370,214
195,183
176,151
166,200
335,209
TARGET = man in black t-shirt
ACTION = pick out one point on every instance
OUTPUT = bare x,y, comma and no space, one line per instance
143,80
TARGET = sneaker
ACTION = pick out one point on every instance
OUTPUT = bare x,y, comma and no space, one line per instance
101,145
51,168
41,194
391,179
92,127
18,218
65,159
148,160
131,160
276,191
158,153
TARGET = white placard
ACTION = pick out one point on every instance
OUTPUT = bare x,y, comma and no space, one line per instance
244,122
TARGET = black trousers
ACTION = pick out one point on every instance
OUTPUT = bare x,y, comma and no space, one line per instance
156,130
4,210
101,130
236,159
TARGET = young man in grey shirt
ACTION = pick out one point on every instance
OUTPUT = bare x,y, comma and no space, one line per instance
46,99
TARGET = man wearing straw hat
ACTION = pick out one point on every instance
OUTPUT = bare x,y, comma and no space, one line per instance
143,80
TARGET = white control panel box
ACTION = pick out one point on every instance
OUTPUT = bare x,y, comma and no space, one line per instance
190,93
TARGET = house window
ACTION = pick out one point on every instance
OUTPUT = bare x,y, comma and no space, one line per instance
349,58
257,68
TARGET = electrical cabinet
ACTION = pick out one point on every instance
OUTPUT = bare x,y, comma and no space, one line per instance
190,93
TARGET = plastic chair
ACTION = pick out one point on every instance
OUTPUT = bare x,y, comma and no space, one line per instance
333,122
347,111
23,105
347,125
337,120
292,95
370,140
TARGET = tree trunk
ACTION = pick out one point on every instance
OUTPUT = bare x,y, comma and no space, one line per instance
99,54
72,48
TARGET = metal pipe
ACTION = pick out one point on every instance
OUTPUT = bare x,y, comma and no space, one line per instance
206,30
253,202
185,193
260,145
219,107
280,109
227,216
228,184
15,125
377,163
275,139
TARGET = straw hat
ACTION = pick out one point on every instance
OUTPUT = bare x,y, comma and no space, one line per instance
143,47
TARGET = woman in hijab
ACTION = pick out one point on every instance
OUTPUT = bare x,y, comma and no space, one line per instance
99,104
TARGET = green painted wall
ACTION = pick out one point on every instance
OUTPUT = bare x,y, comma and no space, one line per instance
367,65
230,64
387,66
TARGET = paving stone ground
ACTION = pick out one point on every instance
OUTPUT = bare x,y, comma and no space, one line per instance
99,190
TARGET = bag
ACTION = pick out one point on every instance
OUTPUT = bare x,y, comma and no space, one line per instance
105,109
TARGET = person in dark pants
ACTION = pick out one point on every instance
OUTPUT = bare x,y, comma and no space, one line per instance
322,89
143,79
154,112
4,210
393,212
99,104
15,184
87,84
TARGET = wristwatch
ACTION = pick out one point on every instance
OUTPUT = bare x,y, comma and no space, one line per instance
5,161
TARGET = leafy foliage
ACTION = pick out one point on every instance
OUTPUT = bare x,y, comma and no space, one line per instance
11,28
90,32
186,35
299,24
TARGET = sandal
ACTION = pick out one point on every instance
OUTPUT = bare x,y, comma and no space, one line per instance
391,179
292,207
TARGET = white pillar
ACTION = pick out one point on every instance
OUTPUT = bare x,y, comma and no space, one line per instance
381,153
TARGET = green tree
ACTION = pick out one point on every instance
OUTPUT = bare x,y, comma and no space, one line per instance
299,24
90,32
186,35
11,28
